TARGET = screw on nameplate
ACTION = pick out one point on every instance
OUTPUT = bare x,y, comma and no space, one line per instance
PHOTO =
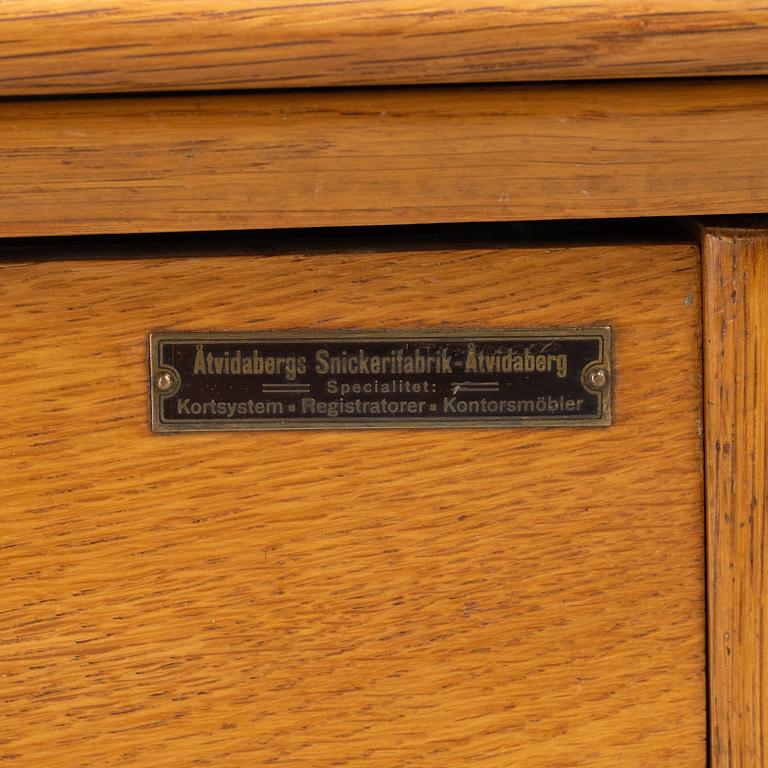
164,382
598,378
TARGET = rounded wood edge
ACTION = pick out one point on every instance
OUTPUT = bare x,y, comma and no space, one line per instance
73,46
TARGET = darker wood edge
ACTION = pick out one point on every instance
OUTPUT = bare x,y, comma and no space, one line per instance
735,306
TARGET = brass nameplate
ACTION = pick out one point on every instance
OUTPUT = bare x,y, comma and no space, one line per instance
509,378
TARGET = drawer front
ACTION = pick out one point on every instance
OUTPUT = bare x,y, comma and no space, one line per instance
425,597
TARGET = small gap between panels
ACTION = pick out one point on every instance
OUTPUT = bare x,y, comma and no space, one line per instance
555,234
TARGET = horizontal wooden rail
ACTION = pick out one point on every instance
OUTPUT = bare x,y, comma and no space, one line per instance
78,46
382,157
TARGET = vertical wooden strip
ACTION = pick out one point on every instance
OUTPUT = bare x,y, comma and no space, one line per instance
736,363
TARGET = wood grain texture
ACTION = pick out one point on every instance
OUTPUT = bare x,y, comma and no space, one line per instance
736,317
79,46
382,157
416,598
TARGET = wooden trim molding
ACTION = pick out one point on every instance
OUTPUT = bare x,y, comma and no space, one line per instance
735,263
81,46
301,159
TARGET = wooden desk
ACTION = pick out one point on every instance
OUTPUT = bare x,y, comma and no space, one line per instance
545,597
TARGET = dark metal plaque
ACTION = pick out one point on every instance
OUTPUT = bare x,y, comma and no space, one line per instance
355,379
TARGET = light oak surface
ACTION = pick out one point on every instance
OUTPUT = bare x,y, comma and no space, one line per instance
78,46
736,316
382,157
523,597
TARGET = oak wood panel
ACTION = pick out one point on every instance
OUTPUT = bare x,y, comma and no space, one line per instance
78,46
417,598
736,316
382,157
